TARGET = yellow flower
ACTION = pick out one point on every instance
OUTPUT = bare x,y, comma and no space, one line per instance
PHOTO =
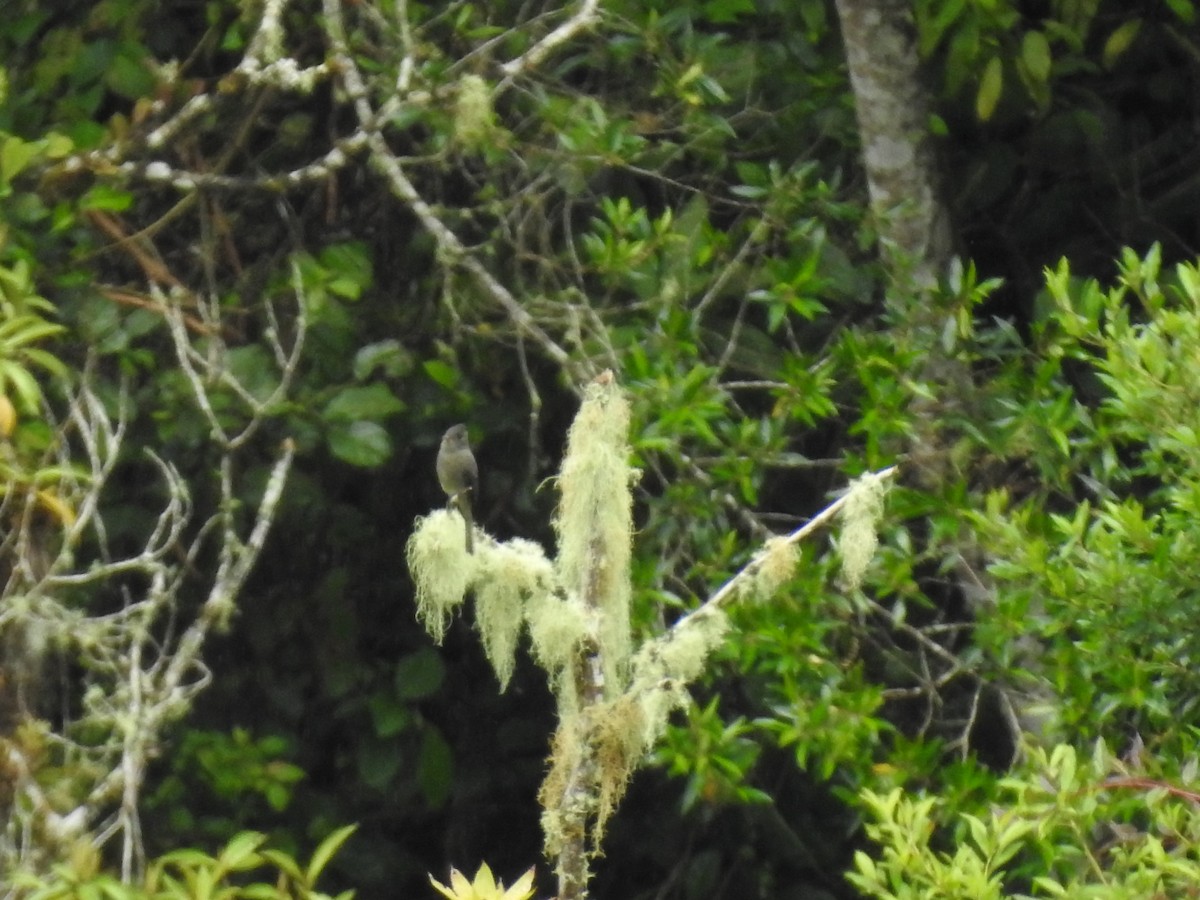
485,887
8,416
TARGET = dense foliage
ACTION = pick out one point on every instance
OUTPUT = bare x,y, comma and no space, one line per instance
462,228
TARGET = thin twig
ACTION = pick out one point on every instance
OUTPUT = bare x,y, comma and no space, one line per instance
729,590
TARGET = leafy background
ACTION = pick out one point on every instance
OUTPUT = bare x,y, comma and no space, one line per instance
677,193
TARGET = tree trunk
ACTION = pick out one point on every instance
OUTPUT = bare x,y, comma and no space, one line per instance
893,107
893,122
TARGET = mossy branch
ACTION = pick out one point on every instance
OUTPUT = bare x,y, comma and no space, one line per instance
613,701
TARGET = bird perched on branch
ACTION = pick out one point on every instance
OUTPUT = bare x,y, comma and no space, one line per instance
459,475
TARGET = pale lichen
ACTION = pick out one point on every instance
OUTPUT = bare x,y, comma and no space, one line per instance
441,568
860,518
618,733
595,521
663,667
557,628
474,118
513,573
776,564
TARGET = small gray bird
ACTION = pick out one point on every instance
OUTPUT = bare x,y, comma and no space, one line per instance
458,475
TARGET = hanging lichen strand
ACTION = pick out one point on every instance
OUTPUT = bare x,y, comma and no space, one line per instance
595,522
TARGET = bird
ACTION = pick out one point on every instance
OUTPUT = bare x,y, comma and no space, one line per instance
458,475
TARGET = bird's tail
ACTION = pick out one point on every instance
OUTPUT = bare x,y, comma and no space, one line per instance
463,502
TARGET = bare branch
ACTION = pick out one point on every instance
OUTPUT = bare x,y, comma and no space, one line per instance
144,658
588,12
730,589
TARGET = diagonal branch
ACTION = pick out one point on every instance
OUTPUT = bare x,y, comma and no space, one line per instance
449,245
588,12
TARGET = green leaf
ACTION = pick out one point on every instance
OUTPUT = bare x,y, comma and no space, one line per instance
348,288
724,12
363,444
106,198
1185,9
435,768
27,393
185,857
58,145
931,34
378,761
128,75
389,715
25,330
278,796
349,266
419,674
114,890
408,114
1035,53
1051,887
1119,41
15,155
241,853
371,402
254,368
259,891
283,862
325,851
990,88
443,373
388,356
